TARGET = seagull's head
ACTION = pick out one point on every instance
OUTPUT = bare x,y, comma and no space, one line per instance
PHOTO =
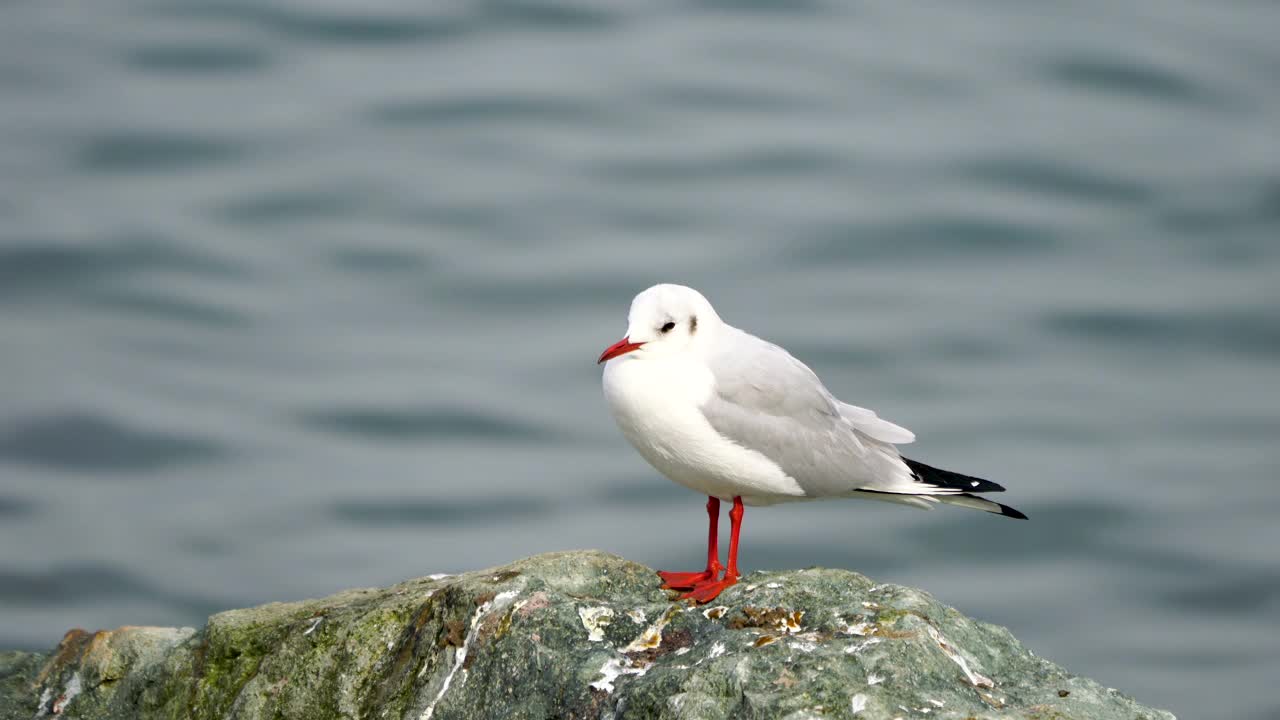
665,319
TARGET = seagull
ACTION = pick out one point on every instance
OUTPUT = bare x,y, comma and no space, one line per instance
738,419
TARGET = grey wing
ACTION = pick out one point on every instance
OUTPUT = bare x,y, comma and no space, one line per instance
770,402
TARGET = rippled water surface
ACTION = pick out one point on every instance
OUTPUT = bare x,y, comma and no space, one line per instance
298,296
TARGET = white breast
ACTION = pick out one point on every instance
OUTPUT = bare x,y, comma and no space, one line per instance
656,400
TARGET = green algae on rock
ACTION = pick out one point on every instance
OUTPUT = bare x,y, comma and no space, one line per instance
565,635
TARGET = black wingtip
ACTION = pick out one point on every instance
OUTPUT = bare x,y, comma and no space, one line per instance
947,479
988,505
1009,512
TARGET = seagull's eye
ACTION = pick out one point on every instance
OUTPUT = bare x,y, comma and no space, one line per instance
667,328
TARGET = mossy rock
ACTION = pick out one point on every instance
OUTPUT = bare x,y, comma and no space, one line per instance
565,635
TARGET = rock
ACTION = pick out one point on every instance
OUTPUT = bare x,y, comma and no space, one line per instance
18,676
565,635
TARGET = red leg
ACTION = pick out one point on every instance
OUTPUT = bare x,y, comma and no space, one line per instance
686,580
707,591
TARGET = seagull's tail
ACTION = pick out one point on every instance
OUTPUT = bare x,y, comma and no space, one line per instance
956,489
926,502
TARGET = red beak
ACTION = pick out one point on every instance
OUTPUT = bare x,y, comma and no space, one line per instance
622,347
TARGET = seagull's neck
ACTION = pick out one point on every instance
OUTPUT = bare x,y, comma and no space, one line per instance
647,384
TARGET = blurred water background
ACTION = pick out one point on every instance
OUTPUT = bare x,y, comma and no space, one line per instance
298,296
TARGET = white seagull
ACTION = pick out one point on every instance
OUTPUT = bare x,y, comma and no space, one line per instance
734,417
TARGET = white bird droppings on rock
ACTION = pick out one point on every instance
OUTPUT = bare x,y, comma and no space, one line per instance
861,629
314,625
715,613
460,654
652,635
976,680
595,619
614,668
858,703
69,693
859,647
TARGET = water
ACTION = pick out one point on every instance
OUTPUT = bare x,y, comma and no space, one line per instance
296,297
